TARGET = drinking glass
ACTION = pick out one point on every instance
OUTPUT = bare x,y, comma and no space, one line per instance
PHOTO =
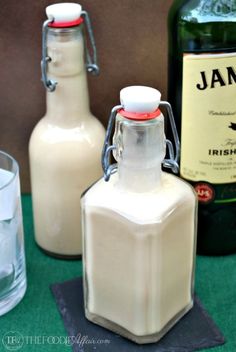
12,256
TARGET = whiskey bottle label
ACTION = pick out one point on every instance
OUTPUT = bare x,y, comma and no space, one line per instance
208,136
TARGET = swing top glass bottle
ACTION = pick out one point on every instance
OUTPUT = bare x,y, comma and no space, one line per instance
65,145
137,226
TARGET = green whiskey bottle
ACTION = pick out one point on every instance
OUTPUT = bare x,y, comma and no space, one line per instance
202,91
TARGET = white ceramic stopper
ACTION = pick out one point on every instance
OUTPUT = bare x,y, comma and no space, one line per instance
64,12
140,99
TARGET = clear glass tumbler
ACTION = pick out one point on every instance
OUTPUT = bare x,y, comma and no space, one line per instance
12,256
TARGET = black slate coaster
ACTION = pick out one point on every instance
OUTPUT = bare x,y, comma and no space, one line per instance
194,331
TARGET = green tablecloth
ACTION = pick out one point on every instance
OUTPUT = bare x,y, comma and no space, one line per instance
37,315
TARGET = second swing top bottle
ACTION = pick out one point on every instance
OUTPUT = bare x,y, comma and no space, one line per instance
139,226
66,144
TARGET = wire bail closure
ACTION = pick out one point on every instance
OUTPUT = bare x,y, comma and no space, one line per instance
91,63
49,84
91,59
174,153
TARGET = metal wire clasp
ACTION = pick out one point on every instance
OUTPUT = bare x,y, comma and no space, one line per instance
91,59
49,84
91,63
108,147
174,153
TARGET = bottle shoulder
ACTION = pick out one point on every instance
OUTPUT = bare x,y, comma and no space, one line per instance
93,121
151,207
88,131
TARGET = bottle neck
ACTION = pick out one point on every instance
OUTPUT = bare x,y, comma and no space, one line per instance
69,103
139,181
140,150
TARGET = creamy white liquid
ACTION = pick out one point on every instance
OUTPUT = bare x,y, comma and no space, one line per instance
65,149
139,253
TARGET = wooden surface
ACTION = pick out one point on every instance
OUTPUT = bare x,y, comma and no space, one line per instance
131,37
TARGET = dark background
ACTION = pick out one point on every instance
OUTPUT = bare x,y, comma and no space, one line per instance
131,38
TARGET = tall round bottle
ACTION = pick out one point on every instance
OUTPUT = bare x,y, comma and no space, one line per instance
138,227
65,145
202,79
